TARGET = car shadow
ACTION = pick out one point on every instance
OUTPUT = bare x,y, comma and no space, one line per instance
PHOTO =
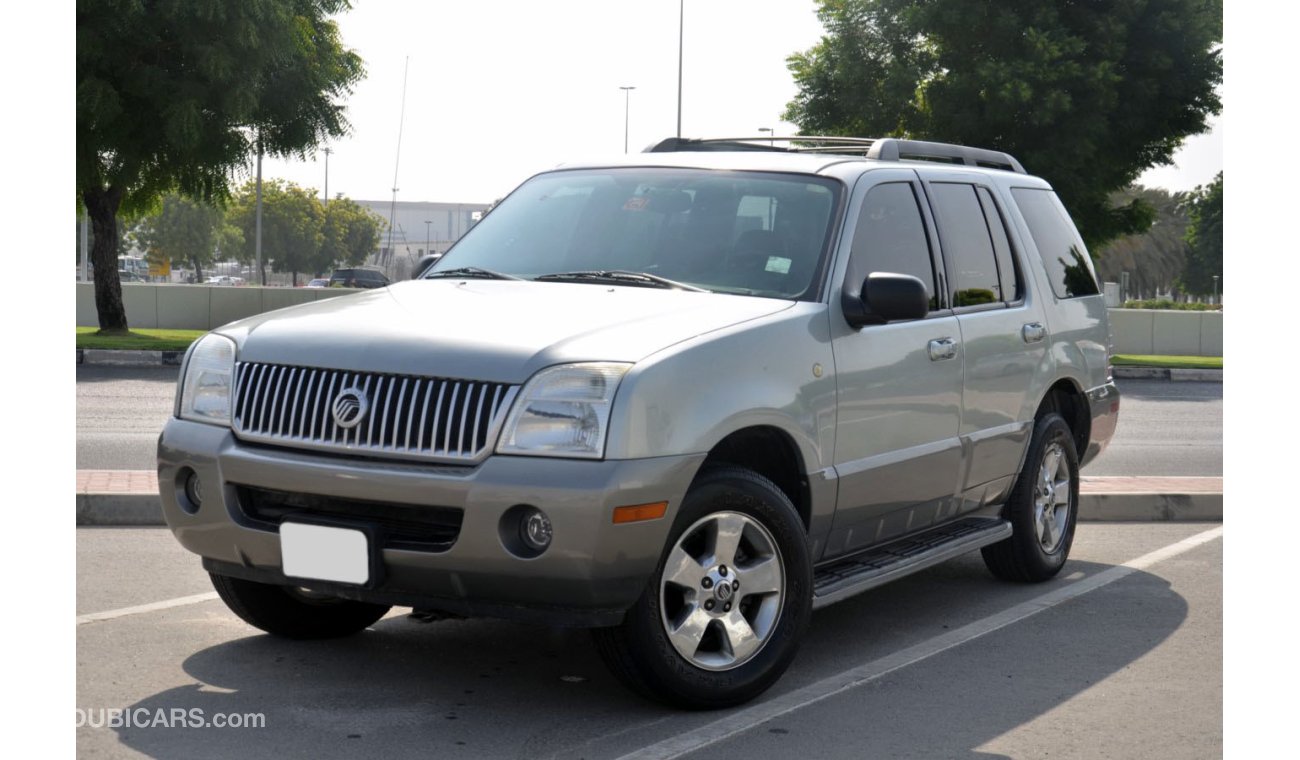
480,688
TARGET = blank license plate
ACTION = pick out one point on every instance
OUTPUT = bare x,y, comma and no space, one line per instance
324,553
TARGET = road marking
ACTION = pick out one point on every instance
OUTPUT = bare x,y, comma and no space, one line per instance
166,604
744,719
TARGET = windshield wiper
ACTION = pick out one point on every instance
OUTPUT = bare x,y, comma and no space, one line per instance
486,274
621,277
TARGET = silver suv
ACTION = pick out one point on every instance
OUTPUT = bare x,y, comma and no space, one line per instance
682,398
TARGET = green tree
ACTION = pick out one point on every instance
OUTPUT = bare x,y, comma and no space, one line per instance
1155,258
175,96
292,225
1204,239
352,232
183,232
1087,95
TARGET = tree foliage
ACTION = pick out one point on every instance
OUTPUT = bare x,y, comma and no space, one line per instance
1154,259
292,224
1204,239
185,233
174,96
299,233
1087,95
351,233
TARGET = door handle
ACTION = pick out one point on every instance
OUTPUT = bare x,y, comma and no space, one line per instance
942,348
1033,332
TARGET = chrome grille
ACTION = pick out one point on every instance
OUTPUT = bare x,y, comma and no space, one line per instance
409,417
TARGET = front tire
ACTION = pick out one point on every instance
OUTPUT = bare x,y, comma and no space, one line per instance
726,608
294,614
1043,508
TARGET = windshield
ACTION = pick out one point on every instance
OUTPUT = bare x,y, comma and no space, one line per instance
735,232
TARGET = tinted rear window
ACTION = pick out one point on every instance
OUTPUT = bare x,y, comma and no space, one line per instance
1064,256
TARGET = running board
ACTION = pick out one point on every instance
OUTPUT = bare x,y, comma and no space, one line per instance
847,577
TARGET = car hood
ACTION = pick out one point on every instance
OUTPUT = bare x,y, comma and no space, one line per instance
493,330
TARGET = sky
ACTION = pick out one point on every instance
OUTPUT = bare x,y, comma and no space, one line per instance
497,92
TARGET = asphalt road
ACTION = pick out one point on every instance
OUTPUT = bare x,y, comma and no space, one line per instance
1164,429
1120,656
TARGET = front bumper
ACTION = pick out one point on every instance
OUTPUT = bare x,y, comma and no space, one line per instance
1103,406
589,575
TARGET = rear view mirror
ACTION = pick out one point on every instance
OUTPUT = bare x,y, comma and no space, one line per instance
887,297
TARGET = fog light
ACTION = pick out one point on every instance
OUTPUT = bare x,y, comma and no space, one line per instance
194,489
535,529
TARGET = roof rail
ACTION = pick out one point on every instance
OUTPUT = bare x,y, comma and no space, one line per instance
765,143
891,149
881,149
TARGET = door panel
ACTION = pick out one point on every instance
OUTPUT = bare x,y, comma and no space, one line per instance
1004,341
898,456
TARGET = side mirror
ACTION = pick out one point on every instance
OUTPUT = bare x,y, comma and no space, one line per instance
887,297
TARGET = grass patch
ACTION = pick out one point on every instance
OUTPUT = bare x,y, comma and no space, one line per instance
1172,362
145,340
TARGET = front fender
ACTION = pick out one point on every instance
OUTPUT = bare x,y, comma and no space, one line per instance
776,371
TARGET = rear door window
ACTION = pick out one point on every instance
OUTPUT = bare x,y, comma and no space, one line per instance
967,245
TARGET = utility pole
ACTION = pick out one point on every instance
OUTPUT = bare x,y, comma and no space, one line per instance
426,237
261,273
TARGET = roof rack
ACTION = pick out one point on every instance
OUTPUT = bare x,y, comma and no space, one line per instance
881,149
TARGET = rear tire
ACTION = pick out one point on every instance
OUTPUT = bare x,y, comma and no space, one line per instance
283,611
734,586
1043,508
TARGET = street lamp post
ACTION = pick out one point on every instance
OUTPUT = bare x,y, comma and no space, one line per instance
771,139
327,151
426,237
681,36
627,100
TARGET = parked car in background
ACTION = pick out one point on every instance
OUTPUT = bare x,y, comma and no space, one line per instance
358,277
319,282
125,275
220,280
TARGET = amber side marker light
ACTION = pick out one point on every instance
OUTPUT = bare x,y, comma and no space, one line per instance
639,512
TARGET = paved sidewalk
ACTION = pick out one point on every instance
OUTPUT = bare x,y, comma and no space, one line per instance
130,497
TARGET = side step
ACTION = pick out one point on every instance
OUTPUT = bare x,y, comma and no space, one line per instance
876,567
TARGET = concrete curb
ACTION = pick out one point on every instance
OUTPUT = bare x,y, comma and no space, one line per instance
139,509
124,358
143,509
1176,375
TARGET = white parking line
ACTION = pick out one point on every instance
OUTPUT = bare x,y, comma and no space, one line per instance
744,719
179,601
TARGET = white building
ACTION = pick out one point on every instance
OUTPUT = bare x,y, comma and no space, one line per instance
419,227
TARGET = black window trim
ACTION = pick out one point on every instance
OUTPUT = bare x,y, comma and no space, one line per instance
1016,264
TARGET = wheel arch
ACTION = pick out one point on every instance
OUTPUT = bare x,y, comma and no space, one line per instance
771,452
1066,398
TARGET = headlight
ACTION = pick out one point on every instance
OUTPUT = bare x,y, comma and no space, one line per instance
563,412
205,389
